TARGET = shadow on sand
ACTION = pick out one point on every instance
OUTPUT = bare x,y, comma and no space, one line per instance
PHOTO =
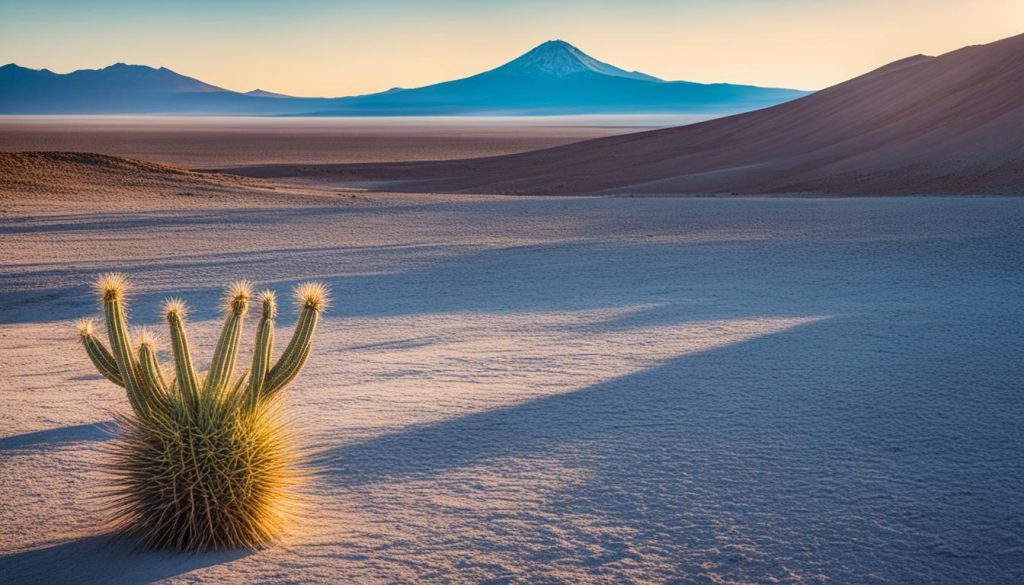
55,437
100,560
517,278
660,404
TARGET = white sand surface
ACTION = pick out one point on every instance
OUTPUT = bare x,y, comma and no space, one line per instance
564,390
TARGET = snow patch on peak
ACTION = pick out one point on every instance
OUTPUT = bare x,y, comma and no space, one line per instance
560,59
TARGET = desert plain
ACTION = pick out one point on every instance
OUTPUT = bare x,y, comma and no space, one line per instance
529,389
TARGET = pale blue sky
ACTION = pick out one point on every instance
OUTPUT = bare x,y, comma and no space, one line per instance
319,47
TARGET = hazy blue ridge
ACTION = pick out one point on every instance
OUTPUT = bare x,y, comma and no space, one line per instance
553,78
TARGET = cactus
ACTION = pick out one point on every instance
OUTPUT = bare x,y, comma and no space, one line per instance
202,461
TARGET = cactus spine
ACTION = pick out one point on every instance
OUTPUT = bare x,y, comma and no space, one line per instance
203,463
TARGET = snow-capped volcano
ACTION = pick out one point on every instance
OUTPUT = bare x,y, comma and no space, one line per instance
557,78
560,59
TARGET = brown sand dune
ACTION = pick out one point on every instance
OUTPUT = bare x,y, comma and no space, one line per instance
924,125
60,182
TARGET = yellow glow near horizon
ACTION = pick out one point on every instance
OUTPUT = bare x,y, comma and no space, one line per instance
315,48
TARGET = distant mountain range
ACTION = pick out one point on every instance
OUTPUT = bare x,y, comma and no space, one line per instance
553,78
946,125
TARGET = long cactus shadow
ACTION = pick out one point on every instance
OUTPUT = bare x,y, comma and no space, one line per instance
55,437
663,400
100,560
788,380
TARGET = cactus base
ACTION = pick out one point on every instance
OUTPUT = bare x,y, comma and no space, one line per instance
199,483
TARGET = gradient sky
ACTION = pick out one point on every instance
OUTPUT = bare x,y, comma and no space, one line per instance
344,47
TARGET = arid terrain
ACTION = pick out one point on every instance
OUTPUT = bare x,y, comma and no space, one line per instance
220,142
531,389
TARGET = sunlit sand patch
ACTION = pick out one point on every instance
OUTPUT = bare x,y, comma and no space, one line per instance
476,521
432,367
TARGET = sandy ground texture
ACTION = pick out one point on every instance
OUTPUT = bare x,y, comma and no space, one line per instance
37,184
562,390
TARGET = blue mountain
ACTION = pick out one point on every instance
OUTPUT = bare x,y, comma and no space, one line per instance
553,78
117,89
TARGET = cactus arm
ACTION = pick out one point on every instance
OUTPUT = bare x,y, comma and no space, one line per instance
225,353
112,288
185,374
152,375
293,358
293,347
101,358
262,355
312,299
239,388
263,351
289,374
